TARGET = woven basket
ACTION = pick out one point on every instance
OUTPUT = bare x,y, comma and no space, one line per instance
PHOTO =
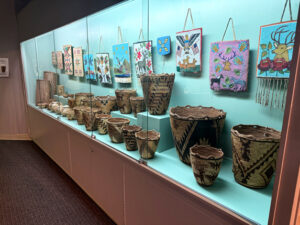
254,153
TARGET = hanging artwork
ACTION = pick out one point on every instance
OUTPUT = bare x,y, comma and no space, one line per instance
78,63
89,67
188,50
164,45
53,58
68,59
121,63
274,57
228,65
143,57
60,60
103,68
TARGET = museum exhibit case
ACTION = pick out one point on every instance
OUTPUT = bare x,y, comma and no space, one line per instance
148,85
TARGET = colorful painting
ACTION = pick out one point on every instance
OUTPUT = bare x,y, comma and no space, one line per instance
53,58
89,67
103,68
143,57
68,59
228,65
60,60
188,50
275,50
164,45
78,63
121,63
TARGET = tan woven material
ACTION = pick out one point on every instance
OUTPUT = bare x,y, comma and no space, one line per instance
254,154
123,100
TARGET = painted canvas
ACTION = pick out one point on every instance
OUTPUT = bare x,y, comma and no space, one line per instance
275,50
60,60
103,68
228,65
53,58
164,45
121,63
143,57
188,50
78,62
89,67
68,59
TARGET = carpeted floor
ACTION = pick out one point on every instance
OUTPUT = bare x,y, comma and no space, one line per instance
35,191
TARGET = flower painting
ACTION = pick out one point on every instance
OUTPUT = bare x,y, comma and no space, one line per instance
188,50
68,59
228,65
164,45
53,58
102,67
78,63
89,67
121,63
275,50
60,60
143,57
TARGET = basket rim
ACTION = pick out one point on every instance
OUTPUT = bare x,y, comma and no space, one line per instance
175,115
147,138
197,155
236,133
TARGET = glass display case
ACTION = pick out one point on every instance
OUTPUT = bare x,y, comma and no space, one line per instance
156,81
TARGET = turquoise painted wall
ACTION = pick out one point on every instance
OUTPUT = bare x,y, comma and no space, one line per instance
166,18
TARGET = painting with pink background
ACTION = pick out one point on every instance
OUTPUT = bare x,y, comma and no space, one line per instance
228,65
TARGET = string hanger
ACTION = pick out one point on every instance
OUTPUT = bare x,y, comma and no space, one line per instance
141,35
189,12
120,38
290,9
230,19
100,42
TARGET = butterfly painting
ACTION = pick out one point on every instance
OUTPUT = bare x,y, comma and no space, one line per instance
89,67
188,50
103,67
143,57
164,45
121,63
68,59
60,60
78,63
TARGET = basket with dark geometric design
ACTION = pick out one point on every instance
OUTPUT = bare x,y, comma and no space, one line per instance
254,154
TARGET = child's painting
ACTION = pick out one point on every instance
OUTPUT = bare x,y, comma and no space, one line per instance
275,50
89,67
78,62
164,45
60,60
53,57
68,59
188,50
103,68
121,63
228,65
143,57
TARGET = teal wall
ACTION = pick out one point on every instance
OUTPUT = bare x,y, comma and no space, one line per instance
166,18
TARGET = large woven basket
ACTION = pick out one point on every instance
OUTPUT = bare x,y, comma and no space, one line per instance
254,154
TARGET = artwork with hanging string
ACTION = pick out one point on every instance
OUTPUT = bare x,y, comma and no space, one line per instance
68,59
60,60
228,64
164,45
89,67
53,58
143,57
121,63
274,57
78,62
103,67
188,48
